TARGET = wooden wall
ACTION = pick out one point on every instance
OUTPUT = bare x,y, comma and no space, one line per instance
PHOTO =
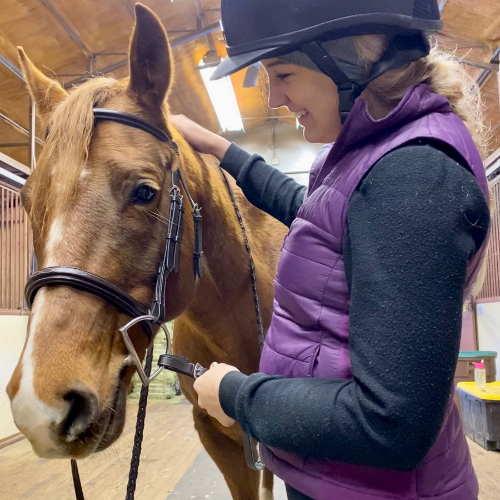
15,250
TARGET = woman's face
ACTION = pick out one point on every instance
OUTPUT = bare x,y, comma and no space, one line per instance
310,95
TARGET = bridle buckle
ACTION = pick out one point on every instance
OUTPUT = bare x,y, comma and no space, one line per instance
133,357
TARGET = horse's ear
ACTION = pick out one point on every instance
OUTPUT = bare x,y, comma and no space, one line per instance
150,58
45,92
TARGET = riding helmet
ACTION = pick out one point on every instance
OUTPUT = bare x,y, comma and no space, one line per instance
261,29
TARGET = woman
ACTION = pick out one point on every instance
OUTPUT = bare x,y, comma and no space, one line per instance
353,401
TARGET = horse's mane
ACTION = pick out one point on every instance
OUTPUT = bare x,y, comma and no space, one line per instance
67,147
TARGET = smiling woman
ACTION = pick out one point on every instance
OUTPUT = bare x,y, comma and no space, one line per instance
310,95
380,253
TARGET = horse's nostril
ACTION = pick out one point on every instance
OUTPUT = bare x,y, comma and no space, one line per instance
83,412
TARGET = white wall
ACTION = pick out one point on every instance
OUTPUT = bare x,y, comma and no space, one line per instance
488,323
12,336
292,151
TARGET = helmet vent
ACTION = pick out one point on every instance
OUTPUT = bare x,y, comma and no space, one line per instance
425,9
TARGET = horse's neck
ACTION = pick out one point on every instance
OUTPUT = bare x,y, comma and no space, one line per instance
223,307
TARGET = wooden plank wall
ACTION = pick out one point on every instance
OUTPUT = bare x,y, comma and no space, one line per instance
491,287
16,245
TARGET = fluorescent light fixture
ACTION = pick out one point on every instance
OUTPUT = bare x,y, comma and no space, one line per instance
13,177
222,95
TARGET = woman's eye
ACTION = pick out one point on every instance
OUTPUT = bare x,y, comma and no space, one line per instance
282,76
144,194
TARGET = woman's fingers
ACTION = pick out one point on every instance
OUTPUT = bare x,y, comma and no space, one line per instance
199,138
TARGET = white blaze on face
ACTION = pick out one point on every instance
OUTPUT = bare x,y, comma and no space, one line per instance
33,417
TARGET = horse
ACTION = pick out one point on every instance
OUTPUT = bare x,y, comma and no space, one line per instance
99,201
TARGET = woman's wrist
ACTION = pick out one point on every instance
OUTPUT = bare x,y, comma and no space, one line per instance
219,147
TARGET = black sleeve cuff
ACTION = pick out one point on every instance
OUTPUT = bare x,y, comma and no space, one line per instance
234,160
264,186
228,391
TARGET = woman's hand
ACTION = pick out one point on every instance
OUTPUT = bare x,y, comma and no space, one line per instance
199,138
207,387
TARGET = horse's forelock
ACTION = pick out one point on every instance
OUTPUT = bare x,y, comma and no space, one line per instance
70,131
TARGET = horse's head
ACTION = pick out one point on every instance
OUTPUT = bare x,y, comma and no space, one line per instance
98,200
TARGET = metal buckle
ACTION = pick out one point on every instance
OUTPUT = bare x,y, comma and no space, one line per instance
133,357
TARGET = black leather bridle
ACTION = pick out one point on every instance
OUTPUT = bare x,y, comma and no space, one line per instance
122,300
154,315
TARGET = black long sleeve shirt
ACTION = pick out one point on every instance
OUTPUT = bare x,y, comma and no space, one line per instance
413,224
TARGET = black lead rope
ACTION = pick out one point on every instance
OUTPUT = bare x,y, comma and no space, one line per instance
76,480
136,451
139,431
249,445
258,312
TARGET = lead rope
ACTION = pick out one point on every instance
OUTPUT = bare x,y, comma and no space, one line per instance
76,480
136,451
249,444
139,430
253,276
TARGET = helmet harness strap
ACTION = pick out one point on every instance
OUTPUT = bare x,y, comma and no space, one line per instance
403,49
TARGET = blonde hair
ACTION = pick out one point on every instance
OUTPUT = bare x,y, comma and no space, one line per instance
440,70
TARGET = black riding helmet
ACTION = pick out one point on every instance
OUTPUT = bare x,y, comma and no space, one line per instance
261,29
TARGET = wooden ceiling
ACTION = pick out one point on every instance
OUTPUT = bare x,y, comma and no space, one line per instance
62,36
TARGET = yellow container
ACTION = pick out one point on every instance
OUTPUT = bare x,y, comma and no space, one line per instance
491,393
481,413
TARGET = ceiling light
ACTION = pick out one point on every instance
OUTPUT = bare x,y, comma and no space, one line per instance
221,94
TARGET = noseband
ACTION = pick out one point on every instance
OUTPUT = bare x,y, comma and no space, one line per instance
122,300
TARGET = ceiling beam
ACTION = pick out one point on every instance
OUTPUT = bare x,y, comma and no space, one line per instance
13,144
18,127
454,41
66,25
491,66
11,67
201,22
486,73
192,35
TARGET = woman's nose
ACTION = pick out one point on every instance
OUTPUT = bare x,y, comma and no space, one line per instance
277,97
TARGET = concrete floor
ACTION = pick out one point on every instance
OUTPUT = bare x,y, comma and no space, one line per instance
204,480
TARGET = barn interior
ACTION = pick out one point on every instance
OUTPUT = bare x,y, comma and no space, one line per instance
74,40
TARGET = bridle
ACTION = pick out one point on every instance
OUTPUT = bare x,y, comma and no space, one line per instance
154,315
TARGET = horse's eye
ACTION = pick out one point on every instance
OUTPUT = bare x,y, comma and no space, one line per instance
144,194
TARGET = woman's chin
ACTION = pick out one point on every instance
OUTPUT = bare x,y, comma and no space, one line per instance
314,136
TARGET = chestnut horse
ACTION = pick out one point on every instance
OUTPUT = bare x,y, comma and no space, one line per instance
88,210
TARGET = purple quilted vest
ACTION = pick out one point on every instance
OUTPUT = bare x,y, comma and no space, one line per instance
309,332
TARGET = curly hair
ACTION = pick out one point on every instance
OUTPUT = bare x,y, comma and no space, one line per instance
440,70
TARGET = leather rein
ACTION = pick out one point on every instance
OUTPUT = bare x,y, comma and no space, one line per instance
154,315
